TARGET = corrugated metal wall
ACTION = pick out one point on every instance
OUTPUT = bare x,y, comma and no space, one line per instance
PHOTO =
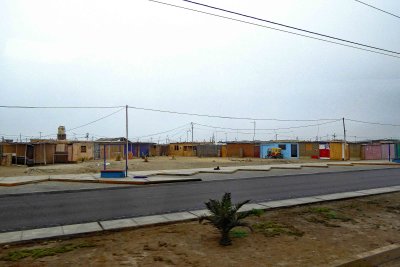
371,152
355,151
336,151
208,150
388,150
308,150
240,150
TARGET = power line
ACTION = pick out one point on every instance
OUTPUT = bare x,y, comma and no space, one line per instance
374,7
60,107
291,27
375,123
275,29
272,129
86,124
222,117
143,136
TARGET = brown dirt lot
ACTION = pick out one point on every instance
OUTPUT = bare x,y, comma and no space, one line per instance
154,163
311,235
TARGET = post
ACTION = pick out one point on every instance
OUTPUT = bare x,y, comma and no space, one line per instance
26,148
344,142
44,153
254,130
192,131
127,141
104,152
389,152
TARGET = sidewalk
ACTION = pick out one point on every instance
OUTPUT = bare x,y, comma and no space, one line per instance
172,176
65,231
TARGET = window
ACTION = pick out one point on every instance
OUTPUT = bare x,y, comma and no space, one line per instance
282,146
185,148
83,149
176,148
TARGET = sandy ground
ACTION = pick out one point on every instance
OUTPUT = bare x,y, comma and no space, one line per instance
312,235
154,163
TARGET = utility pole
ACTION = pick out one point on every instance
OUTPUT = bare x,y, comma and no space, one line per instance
344,141
226,137
254,130
192,131
127,141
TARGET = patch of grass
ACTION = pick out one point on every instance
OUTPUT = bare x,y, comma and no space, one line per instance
257,212
42,252
314,219
270,229
330,214
238,233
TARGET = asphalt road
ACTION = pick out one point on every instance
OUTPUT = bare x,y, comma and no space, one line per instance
29,211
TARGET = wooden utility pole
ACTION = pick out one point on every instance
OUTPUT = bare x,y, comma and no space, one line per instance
127,141
344,142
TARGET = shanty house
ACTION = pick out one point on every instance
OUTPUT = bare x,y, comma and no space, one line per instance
243,149
289,150
184,149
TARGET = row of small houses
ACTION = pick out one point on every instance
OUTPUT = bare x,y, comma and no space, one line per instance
64,151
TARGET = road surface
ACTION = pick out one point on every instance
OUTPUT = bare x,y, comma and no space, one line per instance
28,211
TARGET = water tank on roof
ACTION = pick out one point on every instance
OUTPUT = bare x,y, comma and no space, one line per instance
61,133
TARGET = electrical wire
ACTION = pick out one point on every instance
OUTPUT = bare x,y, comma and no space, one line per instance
275,29
61,107
143,136
374,7
86,124
272,129
290,27
222,117
375,123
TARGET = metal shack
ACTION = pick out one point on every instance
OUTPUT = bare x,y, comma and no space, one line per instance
289,149
243,149
308,149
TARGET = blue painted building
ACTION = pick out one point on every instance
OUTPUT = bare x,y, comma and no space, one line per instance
289,150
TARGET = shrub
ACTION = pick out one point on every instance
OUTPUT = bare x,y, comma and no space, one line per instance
225,216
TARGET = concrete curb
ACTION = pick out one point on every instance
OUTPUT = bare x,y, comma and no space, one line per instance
66,231
374,257
185,173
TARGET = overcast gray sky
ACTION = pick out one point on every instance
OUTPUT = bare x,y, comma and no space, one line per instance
106,53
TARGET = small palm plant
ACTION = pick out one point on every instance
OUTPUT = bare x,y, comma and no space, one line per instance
225,216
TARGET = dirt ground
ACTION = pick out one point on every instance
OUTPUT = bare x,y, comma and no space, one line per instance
311,235
154,163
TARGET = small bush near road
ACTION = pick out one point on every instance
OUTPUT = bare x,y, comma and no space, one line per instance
225,216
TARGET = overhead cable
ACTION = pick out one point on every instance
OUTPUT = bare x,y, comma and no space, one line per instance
272,129
375,123
275,29
374,7
223,117
291,27
86,124
60,107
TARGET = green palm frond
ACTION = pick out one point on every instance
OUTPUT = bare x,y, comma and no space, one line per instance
225,216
